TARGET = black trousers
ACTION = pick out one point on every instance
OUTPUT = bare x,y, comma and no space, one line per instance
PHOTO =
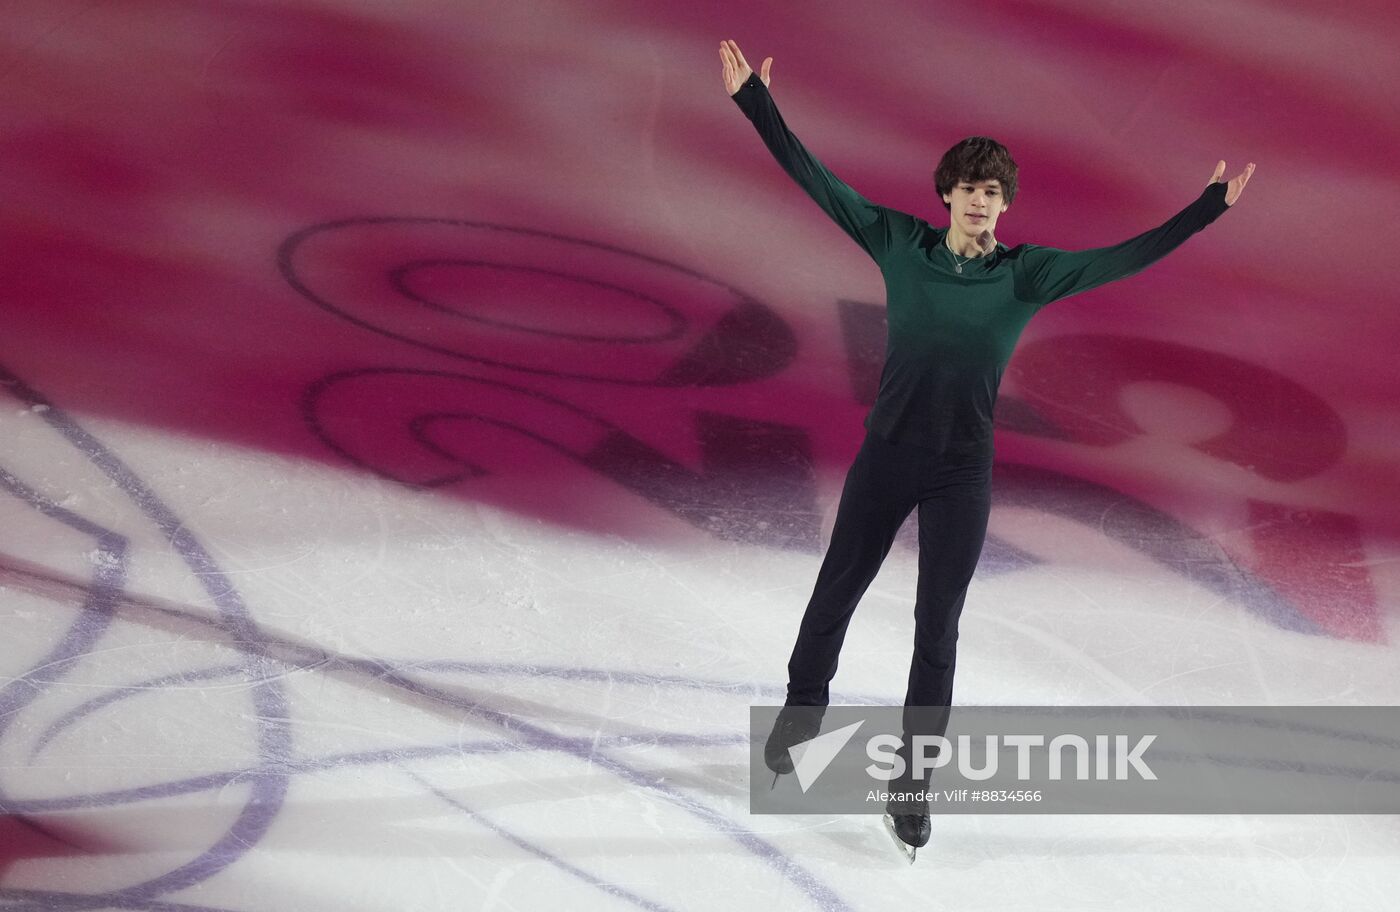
952,491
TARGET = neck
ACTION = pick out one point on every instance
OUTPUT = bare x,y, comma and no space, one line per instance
967,245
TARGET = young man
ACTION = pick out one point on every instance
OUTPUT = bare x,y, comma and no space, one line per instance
957,302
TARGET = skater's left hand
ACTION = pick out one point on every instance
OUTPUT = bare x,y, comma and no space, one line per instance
1236,186
735,70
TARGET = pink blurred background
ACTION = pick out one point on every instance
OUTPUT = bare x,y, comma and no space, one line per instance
507,250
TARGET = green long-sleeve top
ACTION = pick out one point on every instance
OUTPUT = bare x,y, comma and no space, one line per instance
951,335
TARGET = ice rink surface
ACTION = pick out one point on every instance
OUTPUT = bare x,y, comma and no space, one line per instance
420,429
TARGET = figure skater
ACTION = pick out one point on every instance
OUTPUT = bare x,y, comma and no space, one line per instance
957,301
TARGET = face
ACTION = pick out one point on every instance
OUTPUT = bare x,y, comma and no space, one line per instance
975,207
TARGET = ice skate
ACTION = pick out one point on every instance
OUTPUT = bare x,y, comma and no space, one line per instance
910,832
908,825
794,725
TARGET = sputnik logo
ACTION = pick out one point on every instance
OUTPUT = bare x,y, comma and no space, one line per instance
811,758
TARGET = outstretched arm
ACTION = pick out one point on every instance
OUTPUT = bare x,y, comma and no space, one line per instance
1049,274
866,222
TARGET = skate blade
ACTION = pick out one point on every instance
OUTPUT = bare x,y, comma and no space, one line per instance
909,851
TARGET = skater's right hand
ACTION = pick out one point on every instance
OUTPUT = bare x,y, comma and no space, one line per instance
736,69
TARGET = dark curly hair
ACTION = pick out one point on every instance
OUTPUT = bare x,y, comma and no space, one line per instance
977,158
